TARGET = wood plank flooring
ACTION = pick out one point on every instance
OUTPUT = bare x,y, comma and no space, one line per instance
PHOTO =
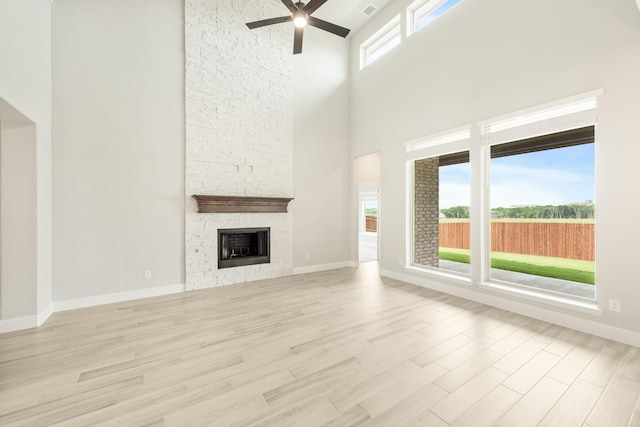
337,348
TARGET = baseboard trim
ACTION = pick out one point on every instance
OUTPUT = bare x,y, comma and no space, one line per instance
18,324
73,304
323,267
44,315
615,333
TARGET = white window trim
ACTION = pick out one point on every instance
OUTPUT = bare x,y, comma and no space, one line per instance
417,10
557,299
480,143
440,143
564,114
450,277
409,214
557,116
378,39
436,144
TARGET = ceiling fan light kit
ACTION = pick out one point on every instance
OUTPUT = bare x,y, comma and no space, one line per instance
301,20
301,17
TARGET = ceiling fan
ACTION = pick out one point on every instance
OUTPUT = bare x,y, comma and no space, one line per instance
301,16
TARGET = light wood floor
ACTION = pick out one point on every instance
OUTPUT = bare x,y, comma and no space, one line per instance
339,348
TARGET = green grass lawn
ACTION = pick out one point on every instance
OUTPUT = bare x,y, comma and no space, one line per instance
559,268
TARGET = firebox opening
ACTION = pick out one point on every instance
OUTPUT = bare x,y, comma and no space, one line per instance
243,246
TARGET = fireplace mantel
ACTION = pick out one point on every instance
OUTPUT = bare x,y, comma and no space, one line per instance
240,204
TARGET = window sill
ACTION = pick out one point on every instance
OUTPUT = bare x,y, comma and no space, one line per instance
581,305
450,277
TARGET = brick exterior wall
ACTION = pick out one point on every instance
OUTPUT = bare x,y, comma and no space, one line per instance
239,131
426,213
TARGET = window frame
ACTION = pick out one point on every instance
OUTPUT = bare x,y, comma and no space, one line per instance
561,115
439,144
580,139
420,9
566,114
379,40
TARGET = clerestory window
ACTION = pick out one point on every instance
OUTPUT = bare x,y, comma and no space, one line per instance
381,42
422,12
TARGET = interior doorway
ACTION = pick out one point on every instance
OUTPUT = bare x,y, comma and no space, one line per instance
367,177
368,223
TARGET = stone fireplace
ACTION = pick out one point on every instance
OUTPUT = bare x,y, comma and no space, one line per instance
239,136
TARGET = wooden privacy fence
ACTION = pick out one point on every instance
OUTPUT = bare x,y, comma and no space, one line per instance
371,223
552,239
456,234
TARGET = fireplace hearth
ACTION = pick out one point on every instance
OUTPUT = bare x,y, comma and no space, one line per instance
243,246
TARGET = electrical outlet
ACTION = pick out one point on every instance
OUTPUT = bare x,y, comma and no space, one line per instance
400,261
147,274
308,256
614,305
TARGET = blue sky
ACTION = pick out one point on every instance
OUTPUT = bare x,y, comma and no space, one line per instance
437,12
551,177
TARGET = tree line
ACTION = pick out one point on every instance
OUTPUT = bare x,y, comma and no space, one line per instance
547,211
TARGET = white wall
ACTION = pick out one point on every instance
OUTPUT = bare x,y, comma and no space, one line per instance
25,56
322,169
367,169
18,228
118,79
25,87
484,58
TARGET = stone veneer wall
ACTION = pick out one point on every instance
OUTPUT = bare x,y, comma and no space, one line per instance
426,212
239,131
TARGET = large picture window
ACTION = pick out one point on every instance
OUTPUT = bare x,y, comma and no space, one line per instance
510,205
543,212
441,198
441,218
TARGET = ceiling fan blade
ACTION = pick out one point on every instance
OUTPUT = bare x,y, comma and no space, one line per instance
313,5
271,21
297,41
290,5
328,26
